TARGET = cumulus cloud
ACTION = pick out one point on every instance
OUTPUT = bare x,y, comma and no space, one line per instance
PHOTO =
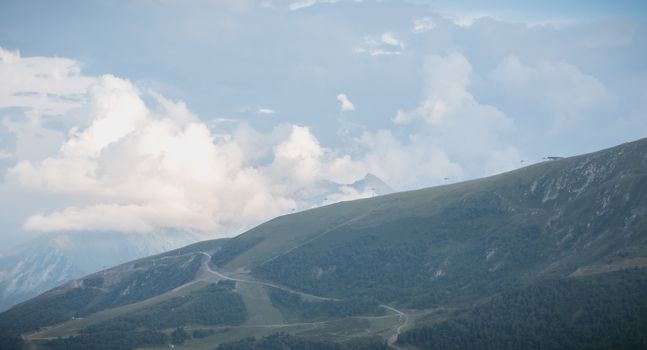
561,88
299,161
407,163
447,100
140,162
346,104
43,89
43,85
298,158
456,123
147,171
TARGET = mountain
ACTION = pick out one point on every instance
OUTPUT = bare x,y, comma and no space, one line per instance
53,259
549,256
372,183
329,192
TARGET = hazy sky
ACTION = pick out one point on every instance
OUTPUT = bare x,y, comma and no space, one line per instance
211,116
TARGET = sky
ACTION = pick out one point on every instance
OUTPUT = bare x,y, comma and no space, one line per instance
212,116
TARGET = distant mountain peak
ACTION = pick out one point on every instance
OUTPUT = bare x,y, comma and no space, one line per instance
51,259
372,183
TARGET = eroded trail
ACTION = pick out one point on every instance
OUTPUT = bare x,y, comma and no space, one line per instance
404,320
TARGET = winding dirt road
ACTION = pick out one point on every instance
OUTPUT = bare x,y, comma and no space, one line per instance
267,284
211,275
403,317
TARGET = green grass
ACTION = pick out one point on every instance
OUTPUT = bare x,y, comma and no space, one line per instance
258,304
383,326
228,334
342,330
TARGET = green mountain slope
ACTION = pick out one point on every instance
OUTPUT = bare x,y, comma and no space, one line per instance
592,312
465,261
454,243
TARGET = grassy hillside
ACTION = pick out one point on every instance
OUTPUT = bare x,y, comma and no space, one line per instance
455,243
213,304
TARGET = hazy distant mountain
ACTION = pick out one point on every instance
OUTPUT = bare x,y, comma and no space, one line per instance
372,183
53,259
328,192
549,256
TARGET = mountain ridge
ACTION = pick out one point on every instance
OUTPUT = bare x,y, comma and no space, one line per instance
550,188
426,258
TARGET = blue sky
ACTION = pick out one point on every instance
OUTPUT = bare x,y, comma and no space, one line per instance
434,92
550,9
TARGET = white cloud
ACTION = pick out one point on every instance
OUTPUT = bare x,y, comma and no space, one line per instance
154,164
298,5
467,131
447,98
346,104
568,93
385,44
43,85
389,38
300,161
139,166
43,88
422,25
465,18
265,110
256,110
298,157
348,193
301,4
33,141
407,164
149,170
